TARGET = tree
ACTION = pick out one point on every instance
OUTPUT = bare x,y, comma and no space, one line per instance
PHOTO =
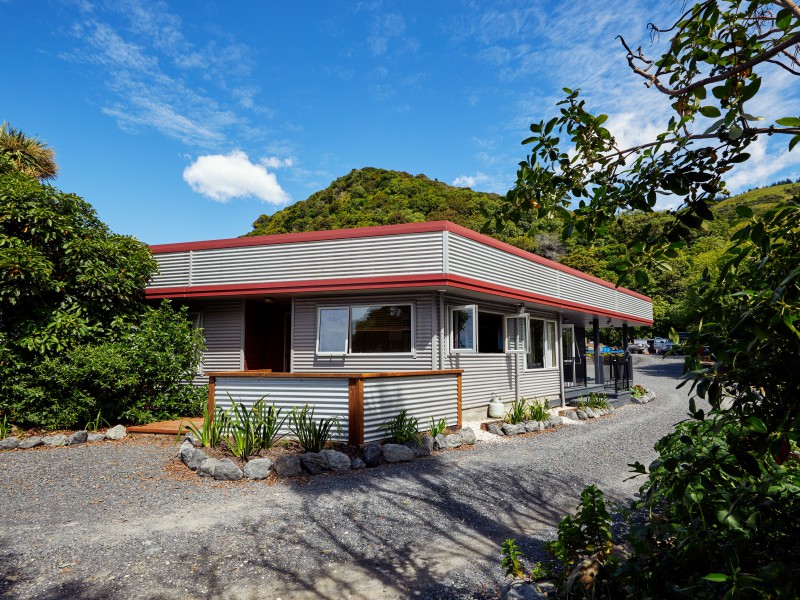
75,335
712,68
722,499
28,154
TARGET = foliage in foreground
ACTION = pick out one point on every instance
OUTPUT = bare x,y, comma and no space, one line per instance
401,428
312,434
75,337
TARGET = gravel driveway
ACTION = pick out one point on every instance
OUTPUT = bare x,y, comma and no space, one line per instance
124,520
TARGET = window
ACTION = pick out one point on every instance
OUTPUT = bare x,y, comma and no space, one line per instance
463,333
373,329
490,333
380,329
332,326
542,353
517,334
482,332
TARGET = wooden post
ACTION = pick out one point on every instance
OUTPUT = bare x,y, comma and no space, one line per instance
212,384
458,396
355,398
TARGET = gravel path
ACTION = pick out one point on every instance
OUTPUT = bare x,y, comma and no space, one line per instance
124,520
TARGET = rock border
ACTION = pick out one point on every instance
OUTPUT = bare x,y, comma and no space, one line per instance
59,439
649,396
318,463
509,429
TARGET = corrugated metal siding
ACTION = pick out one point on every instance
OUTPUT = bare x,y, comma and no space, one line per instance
173,270
359,257
305,337
473,259
223,332
539,383
329,397
423,398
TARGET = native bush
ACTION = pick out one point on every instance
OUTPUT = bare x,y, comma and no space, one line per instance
312,434
538,410
401,428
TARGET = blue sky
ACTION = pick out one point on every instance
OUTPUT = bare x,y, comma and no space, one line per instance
187,120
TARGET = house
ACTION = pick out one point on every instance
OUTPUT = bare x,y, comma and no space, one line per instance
431,317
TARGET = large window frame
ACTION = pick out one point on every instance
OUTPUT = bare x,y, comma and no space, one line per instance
346,329
461,345
549,347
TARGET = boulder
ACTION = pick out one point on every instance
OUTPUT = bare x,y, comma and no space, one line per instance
95,437
423,447
58,439
571,415
467,436
288,465
373,455
186,451
30,442
207,467
394,453
495,429
531,426
636,400
78,437
337,461
196,459
529,590
117,432
581,415
9,443
511,429
438,441
314,462
357,464
453,440
227,470
258,468
611,408
590,412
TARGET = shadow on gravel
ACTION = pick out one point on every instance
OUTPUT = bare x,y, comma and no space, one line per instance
421,522
667,368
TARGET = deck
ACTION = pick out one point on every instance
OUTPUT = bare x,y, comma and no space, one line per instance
166,427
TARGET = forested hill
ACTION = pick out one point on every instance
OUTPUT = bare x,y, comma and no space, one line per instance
373,196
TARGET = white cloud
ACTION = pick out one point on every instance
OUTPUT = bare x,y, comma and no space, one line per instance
470,181
273,162
223,177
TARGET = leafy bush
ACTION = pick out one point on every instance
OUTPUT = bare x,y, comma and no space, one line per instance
436,427
136,374
75,336
241,438
518,412
538,410
5,428
267,423
593,401
311,433
638,391
402,428
510,561
212,429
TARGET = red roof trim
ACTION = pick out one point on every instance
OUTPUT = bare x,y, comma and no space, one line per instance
381,230
372,283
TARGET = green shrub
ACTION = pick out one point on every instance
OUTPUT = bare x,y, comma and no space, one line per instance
437,427
5,427
267,423
311,433
402,428
593,401
213,427
510,561
638,391
241,432
518,412
135,375
538,410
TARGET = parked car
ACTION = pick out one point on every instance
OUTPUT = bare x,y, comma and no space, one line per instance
662,345
637,346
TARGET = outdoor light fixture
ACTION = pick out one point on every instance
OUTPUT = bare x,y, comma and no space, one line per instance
520,309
